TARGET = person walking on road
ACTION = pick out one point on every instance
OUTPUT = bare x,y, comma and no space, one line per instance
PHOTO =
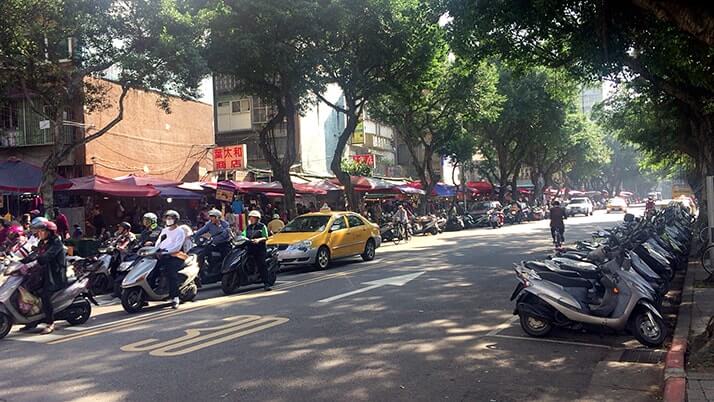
62,224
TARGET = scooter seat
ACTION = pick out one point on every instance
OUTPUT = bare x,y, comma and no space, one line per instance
584,269
541,266
565,281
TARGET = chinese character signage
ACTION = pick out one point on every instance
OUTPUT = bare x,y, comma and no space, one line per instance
233,157
367,159
358,135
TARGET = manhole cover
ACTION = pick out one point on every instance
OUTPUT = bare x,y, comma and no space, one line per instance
642,356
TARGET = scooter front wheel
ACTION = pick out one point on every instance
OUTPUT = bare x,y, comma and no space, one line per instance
5,325
230,282
534,326
132,300
648,328
79,314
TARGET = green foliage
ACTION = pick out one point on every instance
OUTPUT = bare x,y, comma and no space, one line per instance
354,168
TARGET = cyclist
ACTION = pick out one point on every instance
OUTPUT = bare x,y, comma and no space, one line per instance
557,217
401,217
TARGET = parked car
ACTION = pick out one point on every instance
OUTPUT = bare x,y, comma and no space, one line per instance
483,207
616,204
580,205
321,237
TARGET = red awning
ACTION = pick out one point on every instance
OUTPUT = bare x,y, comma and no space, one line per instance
146,181
480,186
105,185
272,187
370,184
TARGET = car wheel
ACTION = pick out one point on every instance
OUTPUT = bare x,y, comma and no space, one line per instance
369,250
322,259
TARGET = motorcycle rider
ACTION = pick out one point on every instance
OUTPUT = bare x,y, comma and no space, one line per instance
151,230
14,240
557,217
171,242
51,258
257,233
123,237
649,206
219,230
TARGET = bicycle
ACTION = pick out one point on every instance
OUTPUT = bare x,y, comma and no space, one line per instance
402,233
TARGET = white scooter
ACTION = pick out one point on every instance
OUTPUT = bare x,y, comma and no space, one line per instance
142,284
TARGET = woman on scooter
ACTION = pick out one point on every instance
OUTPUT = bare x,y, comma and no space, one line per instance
51,260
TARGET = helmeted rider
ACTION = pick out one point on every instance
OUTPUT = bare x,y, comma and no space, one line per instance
51,258
219,230
171,242
150,231
557,217
650,205
15,238
123,237
257,233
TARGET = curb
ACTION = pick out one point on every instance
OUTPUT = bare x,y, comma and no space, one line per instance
675,376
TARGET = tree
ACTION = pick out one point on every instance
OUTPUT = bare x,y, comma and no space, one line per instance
153,44
268,46
624,41
367,44
535,108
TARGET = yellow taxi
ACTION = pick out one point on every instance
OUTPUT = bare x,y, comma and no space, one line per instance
320,237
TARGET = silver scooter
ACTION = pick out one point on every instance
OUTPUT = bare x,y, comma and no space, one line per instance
545,300
71,303
142,285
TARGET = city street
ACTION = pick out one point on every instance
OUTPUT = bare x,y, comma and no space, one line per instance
428,320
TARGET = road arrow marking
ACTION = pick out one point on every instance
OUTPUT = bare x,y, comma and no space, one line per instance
400,280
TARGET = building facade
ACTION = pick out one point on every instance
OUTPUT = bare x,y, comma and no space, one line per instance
238,119
148,141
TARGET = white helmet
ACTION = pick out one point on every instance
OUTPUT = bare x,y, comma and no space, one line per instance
254,214
216,213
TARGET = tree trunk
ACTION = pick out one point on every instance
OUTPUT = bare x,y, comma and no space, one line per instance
514,183
353,115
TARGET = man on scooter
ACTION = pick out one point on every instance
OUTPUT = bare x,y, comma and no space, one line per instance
171,242
51,259
557,217
219,230
257,233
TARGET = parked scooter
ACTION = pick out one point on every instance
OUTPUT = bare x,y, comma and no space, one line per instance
545,300
496,218
143,284
239,269
71,303
425,225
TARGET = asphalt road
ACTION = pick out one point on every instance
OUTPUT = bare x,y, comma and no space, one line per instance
443,331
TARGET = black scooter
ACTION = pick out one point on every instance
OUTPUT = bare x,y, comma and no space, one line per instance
212,266
239,269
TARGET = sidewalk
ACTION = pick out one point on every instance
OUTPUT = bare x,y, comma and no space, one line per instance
700,377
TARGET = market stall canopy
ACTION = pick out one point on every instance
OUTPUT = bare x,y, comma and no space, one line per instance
105,185
177,193
480,186
263,187
440,189
406,189
146,181
369,184
576,193
17,176
626,194
324,185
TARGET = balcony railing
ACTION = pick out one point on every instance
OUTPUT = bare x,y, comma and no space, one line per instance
20,127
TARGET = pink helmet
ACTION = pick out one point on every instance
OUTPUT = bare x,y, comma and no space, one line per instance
16,230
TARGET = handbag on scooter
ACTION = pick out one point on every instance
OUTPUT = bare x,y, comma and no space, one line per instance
28,304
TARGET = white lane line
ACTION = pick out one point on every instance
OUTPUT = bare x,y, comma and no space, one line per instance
555,341
502,326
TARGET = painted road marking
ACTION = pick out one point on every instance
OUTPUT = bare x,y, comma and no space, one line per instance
195,340
557,341
400,280
127,323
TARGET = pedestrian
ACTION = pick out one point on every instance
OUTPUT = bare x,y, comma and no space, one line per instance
62,223
98,222
119,211
275,225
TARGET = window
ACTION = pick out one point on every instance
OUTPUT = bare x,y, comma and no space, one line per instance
355,221
338,224
262,112
240,106
313,223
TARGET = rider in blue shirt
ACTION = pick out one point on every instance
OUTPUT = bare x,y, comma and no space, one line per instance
220,233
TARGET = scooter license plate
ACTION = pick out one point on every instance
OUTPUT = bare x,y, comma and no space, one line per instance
518,289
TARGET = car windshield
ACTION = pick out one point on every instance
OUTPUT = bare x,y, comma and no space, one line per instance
315,223
577,201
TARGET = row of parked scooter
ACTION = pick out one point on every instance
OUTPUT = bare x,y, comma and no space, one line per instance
437,223
130,275
617,281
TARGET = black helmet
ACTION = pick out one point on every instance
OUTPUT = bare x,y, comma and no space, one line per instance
126,225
